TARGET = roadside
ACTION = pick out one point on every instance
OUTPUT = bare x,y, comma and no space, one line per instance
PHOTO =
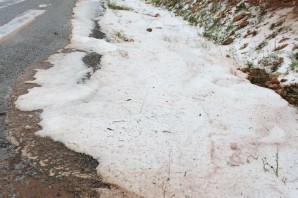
60,172
39,166
163,115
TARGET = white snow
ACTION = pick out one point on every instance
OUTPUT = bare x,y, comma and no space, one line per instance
19,22
163,116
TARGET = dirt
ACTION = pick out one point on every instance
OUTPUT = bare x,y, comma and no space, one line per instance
92,60
270,3
39,167
261,78
96,32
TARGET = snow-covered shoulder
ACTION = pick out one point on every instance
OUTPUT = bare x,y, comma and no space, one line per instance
164,116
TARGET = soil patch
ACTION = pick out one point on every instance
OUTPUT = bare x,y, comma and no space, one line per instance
261,78
92,60
96,32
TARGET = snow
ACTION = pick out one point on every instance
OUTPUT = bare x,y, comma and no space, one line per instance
165,116
19,22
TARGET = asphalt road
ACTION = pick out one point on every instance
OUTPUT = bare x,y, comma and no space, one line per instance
28,45
45,35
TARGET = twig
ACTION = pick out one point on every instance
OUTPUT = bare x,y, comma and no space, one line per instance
144,101
169,167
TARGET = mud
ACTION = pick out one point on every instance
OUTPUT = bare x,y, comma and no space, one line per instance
96,32
92,60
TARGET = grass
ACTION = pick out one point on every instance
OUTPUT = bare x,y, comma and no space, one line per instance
267,166
262,45
273,61
294,61
114,6
120,37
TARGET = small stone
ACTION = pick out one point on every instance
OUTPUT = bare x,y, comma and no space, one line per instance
283,80
233,146
149,29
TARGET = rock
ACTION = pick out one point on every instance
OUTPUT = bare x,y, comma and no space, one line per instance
228,41
157,15
149,29
283,80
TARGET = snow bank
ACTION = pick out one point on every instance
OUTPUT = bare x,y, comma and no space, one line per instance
165,117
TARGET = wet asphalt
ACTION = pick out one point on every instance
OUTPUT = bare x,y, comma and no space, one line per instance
48,33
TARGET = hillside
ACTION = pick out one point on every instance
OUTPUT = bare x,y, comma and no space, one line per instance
260,36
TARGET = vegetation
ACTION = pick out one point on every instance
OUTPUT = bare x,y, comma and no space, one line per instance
114,6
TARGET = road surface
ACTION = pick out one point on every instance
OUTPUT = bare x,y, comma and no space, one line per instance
30,30
37,39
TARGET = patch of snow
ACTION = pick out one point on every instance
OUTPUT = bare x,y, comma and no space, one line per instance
165,117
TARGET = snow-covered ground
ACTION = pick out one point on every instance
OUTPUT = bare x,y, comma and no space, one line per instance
165,116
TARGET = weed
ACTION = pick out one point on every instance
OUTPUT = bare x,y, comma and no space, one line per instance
262,45
215,7
272,35
121,37
240,7
272,61
294,61
249,64
277,24
114,6
267,166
